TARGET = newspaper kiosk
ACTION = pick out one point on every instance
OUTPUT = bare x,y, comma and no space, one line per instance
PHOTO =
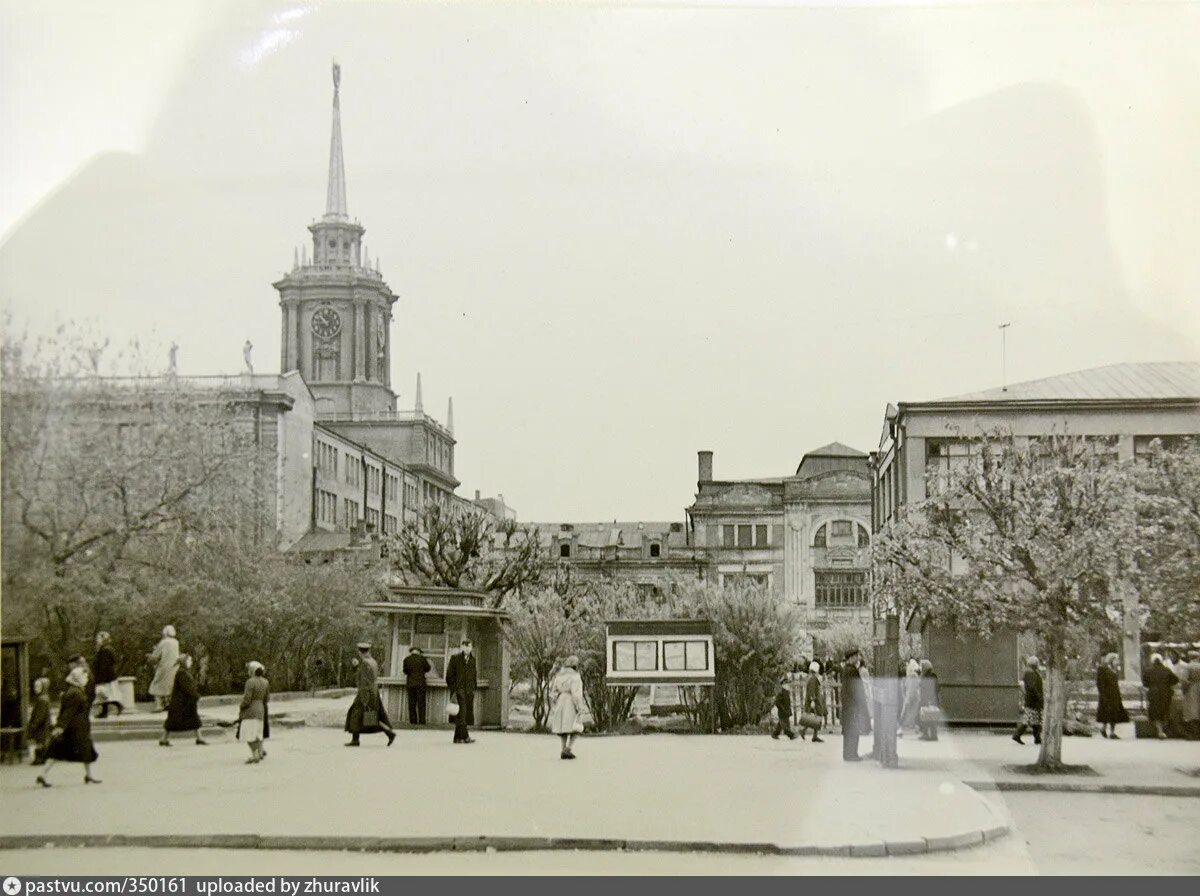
676,652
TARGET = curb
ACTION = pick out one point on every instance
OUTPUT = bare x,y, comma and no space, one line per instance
485,843
1071,787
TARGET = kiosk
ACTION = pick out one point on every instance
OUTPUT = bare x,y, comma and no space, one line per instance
14,681
436,620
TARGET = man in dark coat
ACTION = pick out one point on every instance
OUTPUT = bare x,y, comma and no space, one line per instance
856,716
367,701
415,669
1033,701
462,675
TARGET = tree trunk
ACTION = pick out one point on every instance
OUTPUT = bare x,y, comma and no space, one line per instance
541,705
1053,711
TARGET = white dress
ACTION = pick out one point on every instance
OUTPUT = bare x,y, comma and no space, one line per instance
567,693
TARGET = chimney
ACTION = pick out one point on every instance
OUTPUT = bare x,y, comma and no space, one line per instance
476,494
706,461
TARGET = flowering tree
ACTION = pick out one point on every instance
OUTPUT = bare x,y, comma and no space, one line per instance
1169,549
540,632
1034,535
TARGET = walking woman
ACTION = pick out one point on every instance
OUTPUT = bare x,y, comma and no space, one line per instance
164,656
182,711
814,701
566,716
37,729
1160,682
1110,712
104,672
252,716
72,737
911,708
929,715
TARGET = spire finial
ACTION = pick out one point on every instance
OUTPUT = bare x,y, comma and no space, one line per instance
335,193
419,406
450,415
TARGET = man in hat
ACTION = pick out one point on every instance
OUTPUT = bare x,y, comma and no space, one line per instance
367,714
856,716
462,674
415,668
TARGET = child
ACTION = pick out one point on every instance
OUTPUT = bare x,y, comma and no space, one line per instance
37,731
783,705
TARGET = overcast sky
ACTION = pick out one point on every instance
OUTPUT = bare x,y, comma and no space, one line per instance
621,233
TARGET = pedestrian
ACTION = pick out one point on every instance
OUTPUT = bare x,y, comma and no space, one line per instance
1191,696
182,711
252,713
78,661
910,711
1032,702
1110,712
104,672
856,716
164,657
71,739
814,703
37,729
929,715
415,668
367,714
566,712
1159,682
783,708
462,675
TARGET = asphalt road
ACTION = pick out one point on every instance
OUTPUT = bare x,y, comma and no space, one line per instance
1055,834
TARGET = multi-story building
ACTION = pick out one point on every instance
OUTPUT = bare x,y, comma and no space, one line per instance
1123,407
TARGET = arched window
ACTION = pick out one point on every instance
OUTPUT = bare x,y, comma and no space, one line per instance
864,537
819,540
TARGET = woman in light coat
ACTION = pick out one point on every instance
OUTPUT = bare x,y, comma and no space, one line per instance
566,715
165,657
910,714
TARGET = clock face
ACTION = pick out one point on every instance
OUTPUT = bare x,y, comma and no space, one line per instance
326,323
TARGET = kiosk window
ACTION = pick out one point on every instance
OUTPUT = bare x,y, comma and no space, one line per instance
635,656
685,656
431,625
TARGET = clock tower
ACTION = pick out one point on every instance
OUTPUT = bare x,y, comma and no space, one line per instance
336,308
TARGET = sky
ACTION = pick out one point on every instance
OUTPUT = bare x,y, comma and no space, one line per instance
622,233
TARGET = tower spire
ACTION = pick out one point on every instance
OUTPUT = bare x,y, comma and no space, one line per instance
450,415
335,192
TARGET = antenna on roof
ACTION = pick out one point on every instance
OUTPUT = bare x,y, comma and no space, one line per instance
1004,356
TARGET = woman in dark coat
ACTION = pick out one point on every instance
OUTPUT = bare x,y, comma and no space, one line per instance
182,711
1110,712
73,731
1160,682
929,697
37,729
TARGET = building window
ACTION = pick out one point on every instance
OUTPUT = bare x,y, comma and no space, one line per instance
635,656
649,591
841,588
685,656
864,538
745,536
373,518
564,550
757,579
655,549
819,540
727,536
351,509
841,528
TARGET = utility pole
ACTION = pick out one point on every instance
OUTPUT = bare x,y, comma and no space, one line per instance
1004,356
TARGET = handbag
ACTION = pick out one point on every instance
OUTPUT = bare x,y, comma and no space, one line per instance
811,720
370,718
577,728
930,715
452,710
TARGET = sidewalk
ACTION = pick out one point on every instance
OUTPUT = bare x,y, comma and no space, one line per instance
664,791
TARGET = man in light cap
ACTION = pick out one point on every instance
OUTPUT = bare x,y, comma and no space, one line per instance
367,714
1033,702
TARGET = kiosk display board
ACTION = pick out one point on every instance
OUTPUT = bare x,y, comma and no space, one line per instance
660,652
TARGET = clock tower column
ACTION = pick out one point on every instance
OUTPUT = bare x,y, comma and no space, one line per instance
336,308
